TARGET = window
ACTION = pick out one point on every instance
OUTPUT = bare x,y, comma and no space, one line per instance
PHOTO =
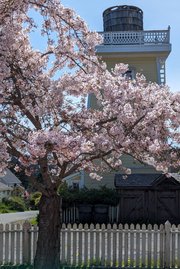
75,185
130,74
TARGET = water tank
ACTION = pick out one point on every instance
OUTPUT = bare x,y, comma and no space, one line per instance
123,18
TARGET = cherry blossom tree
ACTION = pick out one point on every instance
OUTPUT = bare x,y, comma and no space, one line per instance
44,120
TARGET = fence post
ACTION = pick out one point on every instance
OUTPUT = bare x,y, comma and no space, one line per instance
1,243
26,243
167,244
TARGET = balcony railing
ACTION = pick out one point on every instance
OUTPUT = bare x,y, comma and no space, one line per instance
158,37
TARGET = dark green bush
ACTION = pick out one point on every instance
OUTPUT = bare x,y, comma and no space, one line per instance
4,208
15,203
88,196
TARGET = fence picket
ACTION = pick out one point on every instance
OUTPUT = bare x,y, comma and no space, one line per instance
18,243
12,243
137,245
103,227
161,251
97,244
178,246
114,246
69,243
173,232
132,245
149,231
80,244
155,249
26,242
35,237
126,245
74,243
85,244
91,244
1,242
120,227
167,244
143,245
108,245
7,243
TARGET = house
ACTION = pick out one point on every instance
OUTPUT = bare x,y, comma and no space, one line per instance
125,41
5,191
146,195
12,183
82,179
76,180
10,179
145,52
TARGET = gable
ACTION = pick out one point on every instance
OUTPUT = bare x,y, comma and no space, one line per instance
166,182
4,187
146,181
9,178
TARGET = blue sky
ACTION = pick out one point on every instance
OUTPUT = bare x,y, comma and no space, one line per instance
158,14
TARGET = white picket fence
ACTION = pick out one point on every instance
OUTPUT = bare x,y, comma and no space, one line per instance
98,245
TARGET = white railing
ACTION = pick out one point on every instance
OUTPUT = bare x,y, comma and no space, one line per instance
136,37
108,246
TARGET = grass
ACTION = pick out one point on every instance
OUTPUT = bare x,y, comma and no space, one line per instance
9,266
95,265
63,266
77,267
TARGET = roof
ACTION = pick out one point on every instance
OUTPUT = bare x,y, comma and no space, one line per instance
141,180
176,176
9,178
4,187
136,179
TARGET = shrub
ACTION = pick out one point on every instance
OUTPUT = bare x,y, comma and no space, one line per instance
34,200
15,203
34,221
4,208
88,196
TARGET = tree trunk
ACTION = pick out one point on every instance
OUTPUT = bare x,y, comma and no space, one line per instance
48,245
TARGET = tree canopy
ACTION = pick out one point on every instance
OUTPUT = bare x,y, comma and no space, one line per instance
41,123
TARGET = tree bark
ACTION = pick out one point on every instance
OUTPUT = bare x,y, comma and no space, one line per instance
48,245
